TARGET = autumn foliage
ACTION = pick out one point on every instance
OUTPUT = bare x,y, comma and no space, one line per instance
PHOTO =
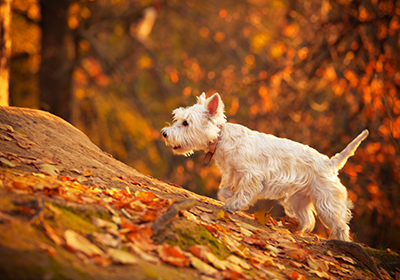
317,72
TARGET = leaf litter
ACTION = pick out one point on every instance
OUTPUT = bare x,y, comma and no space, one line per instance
126,237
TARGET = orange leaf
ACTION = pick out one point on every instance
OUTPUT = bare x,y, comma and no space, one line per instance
27,209
173,255
52,234
233,275
297,254
262,217
295,276
254,241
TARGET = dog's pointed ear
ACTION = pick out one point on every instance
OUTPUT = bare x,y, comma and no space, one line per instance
213,104
202,99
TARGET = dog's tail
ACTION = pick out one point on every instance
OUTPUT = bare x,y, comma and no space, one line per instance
340,159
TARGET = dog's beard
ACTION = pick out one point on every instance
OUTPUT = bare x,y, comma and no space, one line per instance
182,151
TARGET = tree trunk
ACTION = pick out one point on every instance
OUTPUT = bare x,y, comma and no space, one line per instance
58,55
5,50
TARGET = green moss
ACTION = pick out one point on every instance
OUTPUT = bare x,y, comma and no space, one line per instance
385,257
75,220
187,235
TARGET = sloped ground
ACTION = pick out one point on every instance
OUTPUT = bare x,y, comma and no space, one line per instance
70,211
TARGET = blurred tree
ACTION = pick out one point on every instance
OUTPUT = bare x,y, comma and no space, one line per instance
58,53
5,50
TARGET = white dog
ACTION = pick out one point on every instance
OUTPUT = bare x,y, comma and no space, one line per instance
256,165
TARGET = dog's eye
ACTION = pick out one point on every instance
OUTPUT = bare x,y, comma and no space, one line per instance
185,123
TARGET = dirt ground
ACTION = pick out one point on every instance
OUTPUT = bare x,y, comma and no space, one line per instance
56,185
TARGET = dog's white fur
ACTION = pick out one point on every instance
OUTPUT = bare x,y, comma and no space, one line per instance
255,165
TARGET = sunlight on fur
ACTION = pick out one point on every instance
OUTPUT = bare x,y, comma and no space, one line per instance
256,165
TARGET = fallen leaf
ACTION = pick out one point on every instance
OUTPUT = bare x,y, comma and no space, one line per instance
299,255
221,215
345,258
189,216
48,169
245,232
295,276
7,162
87,173
290,223
5,138
27,209
329,259
262,217
101,260
39,186
235,246
48,249
6,127
142,240
273,249
173,255
52,160
52,234
247,226
258,258
54,209
142,254
202,266
320,274
107,239
281,230
123,257
233,275
205,254
254,241
76,171
295,264
205,209
18,185
235,260
76,242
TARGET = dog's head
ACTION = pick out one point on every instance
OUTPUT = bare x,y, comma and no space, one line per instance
195,127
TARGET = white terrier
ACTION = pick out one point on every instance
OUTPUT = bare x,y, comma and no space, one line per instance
255,165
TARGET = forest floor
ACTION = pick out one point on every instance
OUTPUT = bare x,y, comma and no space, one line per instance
70,211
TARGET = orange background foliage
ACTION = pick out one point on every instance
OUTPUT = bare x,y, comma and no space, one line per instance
317,72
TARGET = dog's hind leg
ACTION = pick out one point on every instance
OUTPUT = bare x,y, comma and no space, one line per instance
299,205
333,208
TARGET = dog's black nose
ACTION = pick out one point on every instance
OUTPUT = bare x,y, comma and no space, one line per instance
164,134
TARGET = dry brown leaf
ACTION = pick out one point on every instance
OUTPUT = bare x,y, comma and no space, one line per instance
7,162
142,254
48,169
204,209
76,242
107,239
235,260
299,255
123,257
202,266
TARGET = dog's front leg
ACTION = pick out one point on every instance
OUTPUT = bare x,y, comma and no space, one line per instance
224,193
245,195
225,190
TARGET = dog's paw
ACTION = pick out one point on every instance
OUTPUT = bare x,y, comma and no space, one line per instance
228,209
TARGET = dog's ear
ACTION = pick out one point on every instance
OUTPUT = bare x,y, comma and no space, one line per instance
202,99
213,103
